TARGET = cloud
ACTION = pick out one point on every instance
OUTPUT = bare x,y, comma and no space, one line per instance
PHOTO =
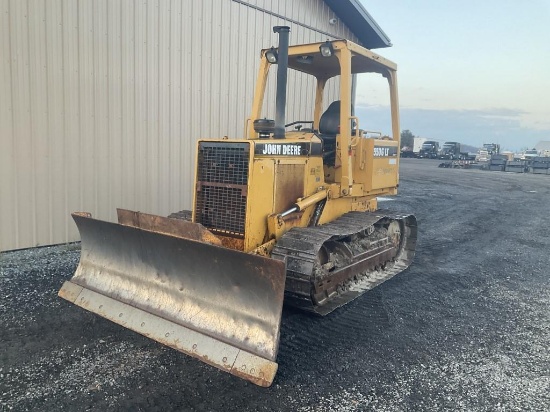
472,127
496,112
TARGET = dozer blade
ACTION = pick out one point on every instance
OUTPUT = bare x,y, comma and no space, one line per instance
216,304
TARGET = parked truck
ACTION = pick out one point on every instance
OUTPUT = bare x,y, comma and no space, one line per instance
492,148
413,151
417,144
429,150
530,154
453,151
450,150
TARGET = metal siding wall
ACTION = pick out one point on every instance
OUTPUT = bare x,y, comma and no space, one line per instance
9,233
22,157
101,102
314,13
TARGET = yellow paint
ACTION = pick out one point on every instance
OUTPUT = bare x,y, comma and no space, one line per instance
364,167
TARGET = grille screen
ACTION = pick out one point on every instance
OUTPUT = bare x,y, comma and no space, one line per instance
222,179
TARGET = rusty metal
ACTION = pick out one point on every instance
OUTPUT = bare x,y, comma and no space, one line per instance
227,297
242,188
231,242
209,350
265,249
85,214
175,227
366,261
383,244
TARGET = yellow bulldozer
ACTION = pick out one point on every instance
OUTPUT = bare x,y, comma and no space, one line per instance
279,216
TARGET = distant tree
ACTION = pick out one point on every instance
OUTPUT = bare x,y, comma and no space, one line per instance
407,138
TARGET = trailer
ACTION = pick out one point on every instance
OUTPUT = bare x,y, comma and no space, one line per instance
516,166
497,162
540,165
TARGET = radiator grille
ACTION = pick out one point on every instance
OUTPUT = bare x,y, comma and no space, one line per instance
222,178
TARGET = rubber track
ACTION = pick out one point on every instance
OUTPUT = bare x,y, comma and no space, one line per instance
300,247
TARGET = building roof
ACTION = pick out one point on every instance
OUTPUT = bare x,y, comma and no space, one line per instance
543,145
353,14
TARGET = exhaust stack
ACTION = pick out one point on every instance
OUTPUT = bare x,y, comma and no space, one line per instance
282,69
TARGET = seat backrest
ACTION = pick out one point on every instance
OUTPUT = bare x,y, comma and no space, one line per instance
330,119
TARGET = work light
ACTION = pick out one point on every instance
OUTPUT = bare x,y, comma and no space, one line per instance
326,49
271,56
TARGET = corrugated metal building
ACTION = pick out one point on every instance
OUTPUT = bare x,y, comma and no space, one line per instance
101,102
543,145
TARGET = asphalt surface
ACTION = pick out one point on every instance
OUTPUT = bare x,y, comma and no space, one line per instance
467,327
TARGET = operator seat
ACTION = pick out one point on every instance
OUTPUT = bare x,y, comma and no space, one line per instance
329,124
329,127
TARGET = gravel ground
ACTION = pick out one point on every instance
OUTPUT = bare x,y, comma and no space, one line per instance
467,327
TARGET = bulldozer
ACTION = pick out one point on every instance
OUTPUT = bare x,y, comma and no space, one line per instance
279,216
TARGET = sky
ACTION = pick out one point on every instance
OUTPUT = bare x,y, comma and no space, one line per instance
473,71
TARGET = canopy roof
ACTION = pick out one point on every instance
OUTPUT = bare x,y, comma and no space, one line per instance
307,58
